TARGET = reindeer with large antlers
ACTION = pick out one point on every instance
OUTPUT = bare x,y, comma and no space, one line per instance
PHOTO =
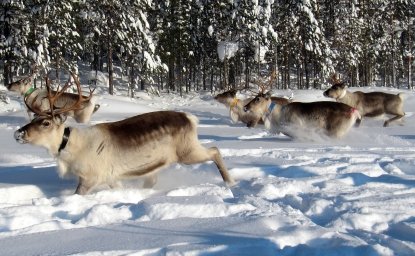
107,152
35,98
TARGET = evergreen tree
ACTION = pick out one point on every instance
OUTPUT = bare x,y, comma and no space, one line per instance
14,27
120,26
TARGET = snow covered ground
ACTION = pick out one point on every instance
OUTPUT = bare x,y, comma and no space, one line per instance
354,196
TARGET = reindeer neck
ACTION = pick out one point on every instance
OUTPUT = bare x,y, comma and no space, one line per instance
65,138
269,108
26,88
345,92
235,101
348,98
28,92
60,141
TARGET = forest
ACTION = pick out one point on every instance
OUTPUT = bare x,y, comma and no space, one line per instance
193,45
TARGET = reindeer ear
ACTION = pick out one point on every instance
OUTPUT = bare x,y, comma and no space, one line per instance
267,95
59,119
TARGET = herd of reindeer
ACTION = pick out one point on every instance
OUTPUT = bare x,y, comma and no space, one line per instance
106,153
330,118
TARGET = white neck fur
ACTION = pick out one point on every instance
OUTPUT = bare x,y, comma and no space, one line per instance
342,95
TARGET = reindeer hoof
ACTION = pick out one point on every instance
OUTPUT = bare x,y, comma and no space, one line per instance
386,124
358,122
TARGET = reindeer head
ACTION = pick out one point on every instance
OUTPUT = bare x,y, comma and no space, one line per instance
23,85
259,103
35,132
227,96
337,91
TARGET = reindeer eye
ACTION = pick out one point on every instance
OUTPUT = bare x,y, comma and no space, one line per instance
46,123
256,99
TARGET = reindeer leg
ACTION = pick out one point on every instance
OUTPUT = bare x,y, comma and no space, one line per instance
83,187
201,154
249,124
358,122
150,181
217,158
115,184
393,119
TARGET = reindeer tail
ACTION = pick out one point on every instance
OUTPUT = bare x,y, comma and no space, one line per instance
402,96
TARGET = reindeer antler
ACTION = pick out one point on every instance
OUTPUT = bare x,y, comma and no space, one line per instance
263,86
78,103
335,78
54,97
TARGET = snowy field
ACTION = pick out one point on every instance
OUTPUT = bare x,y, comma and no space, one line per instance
354,196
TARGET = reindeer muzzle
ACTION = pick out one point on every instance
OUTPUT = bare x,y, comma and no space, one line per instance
9,86
19,136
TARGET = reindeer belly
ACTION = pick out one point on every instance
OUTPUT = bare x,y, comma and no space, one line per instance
372,111
146,159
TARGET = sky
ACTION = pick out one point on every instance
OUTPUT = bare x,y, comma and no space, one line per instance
313,196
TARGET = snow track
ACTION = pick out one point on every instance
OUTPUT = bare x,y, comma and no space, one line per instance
355,196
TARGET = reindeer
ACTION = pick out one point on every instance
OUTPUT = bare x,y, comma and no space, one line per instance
105,153
236,106
332,118
369,104
36,98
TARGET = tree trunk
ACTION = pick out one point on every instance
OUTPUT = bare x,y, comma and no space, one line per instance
410,57
211,80
393,69
231,78
171,76
132,84
307,75
246,69
110,70
288,72
204,70
7,71
225,73
110,52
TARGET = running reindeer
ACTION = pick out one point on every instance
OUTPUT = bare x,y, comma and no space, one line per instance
369,104
107,152
36,98
236,105
331,118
